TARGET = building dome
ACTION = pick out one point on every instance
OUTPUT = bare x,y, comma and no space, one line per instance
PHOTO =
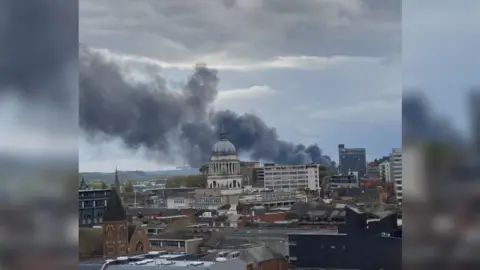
224,147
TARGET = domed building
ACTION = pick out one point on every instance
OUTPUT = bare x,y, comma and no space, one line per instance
224,166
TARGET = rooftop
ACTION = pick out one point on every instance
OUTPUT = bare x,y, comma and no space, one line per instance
251,254
172,236
114,210
164,260
319,232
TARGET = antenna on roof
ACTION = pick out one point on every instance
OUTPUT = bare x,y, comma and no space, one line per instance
223,133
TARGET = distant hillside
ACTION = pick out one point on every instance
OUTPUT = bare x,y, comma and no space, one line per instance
134,175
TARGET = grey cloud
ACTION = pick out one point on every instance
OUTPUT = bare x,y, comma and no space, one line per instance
38,40
274,28
149,115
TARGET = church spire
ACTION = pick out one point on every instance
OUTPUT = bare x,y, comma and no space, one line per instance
83,184
223,133
117,182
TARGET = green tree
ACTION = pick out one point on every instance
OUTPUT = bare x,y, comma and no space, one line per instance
204,169
103,185
187,181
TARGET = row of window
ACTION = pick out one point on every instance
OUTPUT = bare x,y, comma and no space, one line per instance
285,187
162,243
286,173
121,249
293,167
91,221
293,243
272,181
91,193
85,214
92,203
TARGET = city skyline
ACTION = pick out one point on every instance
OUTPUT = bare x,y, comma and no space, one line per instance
340,74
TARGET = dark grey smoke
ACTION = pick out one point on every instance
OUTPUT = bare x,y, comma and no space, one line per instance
146,113
37,40
419,123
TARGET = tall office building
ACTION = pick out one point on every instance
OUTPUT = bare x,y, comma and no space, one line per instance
292,177
396,167
352,160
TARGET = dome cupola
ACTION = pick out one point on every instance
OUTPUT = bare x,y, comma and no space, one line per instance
224,146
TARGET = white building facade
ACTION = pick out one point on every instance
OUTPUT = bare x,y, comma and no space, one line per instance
396,161
224,166
292,177
385,172
198,203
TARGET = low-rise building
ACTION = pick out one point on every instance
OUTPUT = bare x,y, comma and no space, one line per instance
194,202
167,260
116,237
256,257
273,199
363,242
175,243
343,181
258,177
91,206
373,171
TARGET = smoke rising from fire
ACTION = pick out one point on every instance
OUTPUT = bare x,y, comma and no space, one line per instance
126,97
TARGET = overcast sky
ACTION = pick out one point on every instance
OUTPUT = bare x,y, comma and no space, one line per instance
440,58
319,71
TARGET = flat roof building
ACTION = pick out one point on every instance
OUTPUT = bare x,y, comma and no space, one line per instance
292,177
163,261
365,241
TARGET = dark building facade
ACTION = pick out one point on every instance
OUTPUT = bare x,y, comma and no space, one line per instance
258,176
343,181
93,202
91,206
352,159
361,243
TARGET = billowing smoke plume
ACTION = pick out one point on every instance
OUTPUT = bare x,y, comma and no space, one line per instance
127,98
419,123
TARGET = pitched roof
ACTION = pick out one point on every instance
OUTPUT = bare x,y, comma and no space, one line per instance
252,254
131,230
114,210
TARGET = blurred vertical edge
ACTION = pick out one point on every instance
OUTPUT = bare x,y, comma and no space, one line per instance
38,134
441,189
441,135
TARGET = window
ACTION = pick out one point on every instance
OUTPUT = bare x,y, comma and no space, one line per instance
139,247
